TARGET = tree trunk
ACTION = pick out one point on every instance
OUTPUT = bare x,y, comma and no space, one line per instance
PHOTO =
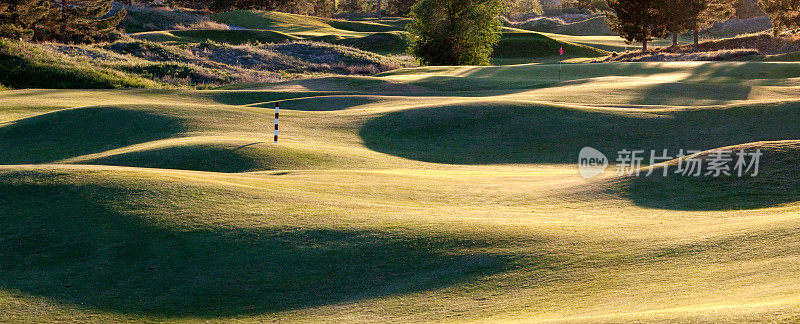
379,9
63,21
675,40
696,40
644,46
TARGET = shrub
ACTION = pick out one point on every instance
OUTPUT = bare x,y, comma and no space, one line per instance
454,32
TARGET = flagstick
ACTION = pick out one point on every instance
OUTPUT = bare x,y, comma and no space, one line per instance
560,59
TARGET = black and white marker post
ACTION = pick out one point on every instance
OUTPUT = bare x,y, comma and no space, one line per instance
277,108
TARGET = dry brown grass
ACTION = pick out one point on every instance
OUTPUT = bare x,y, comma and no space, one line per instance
743,47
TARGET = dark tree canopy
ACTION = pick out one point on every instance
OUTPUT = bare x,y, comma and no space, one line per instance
785,14
715,11
638,21
80,21
644,20
454,32
682,16
60,20
18,18
399,7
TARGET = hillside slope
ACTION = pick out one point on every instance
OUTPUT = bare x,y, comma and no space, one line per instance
426,194
516,45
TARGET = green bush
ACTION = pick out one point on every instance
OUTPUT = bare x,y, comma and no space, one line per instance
454,32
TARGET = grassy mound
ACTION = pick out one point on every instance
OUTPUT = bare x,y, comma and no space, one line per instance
594,26
292,23
530,46
24,65
166,137
358,225
252,19
230,156
492,133
67,133
325,103
385,43
147,18
777,182
110,244
360,26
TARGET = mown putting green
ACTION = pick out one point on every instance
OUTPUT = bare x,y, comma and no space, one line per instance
430,194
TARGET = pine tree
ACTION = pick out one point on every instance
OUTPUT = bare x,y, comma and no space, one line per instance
19,18
638,20
715,11
746,9
399,7
681,16
783,13
353,6
80,20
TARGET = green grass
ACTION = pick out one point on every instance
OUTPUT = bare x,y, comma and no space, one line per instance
430,194
788,57
524,46
387,37
533,133
773,186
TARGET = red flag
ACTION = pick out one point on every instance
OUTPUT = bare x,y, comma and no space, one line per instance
561,50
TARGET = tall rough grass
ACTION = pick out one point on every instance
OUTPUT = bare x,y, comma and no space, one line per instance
137,63
24,65
146,18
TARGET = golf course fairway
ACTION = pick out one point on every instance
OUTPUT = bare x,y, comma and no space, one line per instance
418,195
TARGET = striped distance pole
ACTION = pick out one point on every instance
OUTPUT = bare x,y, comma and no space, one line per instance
277,108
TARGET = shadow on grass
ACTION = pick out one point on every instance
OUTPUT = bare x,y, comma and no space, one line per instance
213,158
247,97
325,103
491,133
777,183
68,133
69,243
220,157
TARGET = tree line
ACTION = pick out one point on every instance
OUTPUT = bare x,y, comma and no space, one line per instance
320,8
644,20
58,20
464,32
326,8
